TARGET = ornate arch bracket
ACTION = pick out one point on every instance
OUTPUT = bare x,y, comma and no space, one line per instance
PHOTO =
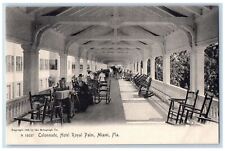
190,33
68,44
39,29
162,45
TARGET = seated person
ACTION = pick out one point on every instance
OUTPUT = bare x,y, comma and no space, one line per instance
90,77
61,85
101,76
84,96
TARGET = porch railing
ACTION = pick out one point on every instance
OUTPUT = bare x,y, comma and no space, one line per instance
18,106
165,91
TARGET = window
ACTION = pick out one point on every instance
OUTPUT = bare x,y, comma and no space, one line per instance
137,67
9,92
81,67
10,63
18,87
42,63
88,67
73,66
148,67
141,66
180,69
19,63
159,68
46,64
211,69
53,64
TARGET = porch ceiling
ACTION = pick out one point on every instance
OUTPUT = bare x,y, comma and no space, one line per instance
119,28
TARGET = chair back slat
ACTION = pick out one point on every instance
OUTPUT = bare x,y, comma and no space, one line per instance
206,105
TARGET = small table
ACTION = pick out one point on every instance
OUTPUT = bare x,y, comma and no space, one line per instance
62,97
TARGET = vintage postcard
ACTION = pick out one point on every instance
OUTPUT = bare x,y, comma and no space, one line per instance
112,74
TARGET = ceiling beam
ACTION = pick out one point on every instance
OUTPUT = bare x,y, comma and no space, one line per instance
33,10
115,50
94,34
95,45
115,27
96,13
196,11
132,30
78,11
161,11
147,10
121,21
66,11
120,38
90,10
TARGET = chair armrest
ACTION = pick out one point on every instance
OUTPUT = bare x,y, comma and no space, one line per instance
177,99
192,109
205,118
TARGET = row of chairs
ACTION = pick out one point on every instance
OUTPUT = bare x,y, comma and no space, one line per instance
104,91
127,76
187,110
181,111
143,82
99,90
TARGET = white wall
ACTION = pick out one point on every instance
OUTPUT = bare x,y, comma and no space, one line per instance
44,74
12,78
70,72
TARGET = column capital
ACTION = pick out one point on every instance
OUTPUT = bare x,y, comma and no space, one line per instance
198,50
61,53
29,48
77,57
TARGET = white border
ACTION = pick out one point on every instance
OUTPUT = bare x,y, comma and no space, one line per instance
113,2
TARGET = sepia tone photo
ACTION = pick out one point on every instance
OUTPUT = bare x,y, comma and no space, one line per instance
112,74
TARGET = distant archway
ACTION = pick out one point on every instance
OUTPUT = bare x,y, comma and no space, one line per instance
141,66
137,67
148,67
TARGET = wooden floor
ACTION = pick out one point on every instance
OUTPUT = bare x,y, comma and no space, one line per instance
103,113
139,109
125,106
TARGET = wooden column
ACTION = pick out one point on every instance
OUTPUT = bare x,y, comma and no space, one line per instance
166,68
197,69
31,69
153,67
77,65
63,65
